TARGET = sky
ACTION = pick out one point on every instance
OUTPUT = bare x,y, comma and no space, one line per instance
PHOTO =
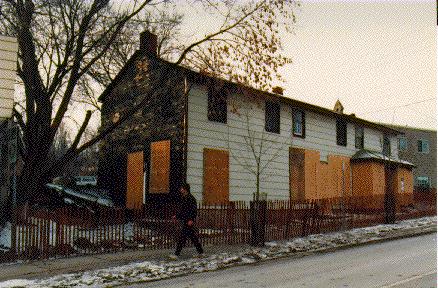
378,58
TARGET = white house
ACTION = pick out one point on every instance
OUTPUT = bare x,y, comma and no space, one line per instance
212,133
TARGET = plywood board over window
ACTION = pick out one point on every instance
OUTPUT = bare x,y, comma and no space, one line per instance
216,176
135,181
297,174
160,167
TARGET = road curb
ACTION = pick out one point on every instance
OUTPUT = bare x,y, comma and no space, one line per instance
352,245
408,233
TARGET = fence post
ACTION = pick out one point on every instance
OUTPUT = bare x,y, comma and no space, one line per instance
230,222
315,219
258,222
286,212
304,219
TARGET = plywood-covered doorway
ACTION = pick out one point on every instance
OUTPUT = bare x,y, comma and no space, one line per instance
159,176
216,176
135,180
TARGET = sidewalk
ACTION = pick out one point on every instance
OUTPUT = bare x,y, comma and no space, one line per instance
52,267
140,266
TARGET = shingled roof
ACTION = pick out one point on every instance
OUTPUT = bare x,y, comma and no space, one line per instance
194,75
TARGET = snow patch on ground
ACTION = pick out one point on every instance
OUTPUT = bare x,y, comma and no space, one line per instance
156,270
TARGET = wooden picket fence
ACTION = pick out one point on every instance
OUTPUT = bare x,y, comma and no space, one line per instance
45,233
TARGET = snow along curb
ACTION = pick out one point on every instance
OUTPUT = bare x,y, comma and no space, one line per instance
299,247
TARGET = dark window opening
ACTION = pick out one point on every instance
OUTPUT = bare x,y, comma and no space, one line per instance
402,144
341,132
386,146
217,105
423,146
423,182
359,137
299,123
272,117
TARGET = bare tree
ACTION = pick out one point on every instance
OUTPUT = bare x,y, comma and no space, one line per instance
70,50
260,149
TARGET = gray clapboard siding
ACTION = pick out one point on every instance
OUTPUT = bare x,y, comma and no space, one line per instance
6,94
8,64
205,134
320,136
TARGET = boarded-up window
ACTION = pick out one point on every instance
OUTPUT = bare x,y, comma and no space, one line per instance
135,181
216,176
160,167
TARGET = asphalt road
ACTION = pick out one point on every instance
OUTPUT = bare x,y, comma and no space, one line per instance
403,263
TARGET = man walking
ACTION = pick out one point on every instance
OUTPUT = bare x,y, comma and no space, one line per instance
186,215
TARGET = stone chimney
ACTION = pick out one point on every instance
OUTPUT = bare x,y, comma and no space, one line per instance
148,42
277,90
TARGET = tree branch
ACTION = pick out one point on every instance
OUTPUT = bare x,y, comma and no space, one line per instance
81,131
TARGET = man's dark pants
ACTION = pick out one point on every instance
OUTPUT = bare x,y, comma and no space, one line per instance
188,232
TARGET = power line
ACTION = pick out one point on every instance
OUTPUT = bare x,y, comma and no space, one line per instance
399,106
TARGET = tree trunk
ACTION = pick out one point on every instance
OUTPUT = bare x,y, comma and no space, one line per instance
33,176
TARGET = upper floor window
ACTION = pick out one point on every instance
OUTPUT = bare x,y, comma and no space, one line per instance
272,117
402,144
299,123
423,181
386,146
423,146
358,139
341,132
217,104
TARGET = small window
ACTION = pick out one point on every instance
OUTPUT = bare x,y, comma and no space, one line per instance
272,117
423,181
402,144
423,146
386,146
217,105
358,137
341,132
299,123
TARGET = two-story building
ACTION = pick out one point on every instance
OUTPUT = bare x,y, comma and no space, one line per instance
418,146
221,137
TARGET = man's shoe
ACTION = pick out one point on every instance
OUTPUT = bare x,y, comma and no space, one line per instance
173,257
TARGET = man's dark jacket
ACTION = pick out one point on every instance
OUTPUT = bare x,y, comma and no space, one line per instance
187,209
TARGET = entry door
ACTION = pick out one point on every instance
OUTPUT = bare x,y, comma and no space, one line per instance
296,174
135,181
216,176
